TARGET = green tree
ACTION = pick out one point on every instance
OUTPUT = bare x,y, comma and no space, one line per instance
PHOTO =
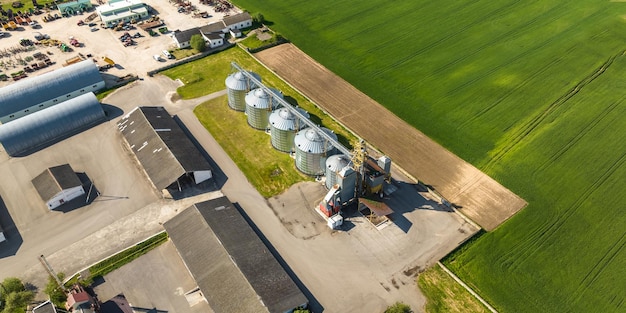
258,18
197,42
56,293
13,296
398,307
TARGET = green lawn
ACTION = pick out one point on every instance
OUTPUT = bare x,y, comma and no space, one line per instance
445,295
513,87
207,75
271,172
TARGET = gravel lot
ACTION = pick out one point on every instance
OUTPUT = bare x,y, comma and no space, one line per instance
136,59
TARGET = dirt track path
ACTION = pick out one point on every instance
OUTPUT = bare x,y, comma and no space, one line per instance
476,195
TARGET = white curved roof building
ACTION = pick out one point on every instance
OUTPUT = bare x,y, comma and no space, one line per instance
37,93
50,125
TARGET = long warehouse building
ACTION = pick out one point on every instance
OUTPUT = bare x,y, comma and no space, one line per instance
162,147
40,92
48,126
233,268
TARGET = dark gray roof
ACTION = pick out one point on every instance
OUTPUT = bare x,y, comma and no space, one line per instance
161,146
237,18
46,307
185,35
51,124
216,27
213,36
32,91
226,258
55,179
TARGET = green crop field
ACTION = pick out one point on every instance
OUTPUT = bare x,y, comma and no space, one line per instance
532,93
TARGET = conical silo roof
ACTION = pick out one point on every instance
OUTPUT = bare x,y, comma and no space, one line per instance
283,119
238,81
337,162
259,98
310,141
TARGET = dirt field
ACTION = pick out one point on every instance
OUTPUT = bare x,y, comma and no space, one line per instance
475,194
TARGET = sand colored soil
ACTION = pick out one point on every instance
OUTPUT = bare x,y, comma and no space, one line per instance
475,194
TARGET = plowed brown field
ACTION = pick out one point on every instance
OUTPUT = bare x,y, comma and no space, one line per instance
475,194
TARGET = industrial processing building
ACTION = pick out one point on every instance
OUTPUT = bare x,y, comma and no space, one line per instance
162,148
234,270
40,92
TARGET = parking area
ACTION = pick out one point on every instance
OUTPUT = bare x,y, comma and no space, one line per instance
157,280
101,42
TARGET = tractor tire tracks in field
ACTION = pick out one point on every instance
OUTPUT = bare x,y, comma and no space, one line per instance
530,247
441,40
527,129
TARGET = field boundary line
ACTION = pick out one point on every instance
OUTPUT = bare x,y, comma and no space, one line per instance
471,291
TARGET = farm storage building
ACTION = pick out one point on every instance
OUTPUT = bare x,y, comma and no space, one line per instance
233,268
162,147
238,21
57,185
237,85
283,128
37,93
259,105
312,149
73,7
47,126
116,11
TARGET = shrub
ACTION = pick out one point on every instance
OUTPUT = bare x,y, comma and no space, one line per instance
399,307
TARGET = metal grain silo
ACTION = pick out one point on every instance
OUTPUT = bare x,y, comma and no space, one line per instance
334,164
283,128
259,106
312,150
237,85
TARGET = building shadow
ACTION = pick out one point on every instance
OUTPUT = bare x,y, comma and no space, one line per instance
219,177
314,305
14,240
111,111
117,304
91,193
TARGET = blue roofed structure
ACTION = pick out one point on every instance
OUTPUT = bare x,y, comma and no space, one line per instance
40,92
47,126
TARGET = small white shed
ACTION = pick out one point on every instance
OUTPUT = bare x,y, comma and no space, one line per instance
57,185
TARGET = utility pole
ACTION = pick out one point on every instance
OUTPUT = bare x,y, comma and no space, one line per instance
51,272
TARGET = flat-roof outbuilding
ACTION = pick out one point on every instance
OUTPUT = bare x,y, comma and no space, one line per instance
233,268
162,147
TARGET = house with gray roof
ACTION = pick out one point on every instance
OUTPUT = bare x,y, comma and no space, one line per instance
238,21
233,268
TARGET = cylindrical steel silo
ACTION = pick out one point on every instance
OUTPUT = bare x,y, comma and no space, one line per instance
334,164
237,85
312,150
283,128
259,106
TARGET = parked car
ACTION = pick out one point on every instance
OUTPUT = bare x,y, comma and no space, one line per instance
167,54
93,29
157,57
92,24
